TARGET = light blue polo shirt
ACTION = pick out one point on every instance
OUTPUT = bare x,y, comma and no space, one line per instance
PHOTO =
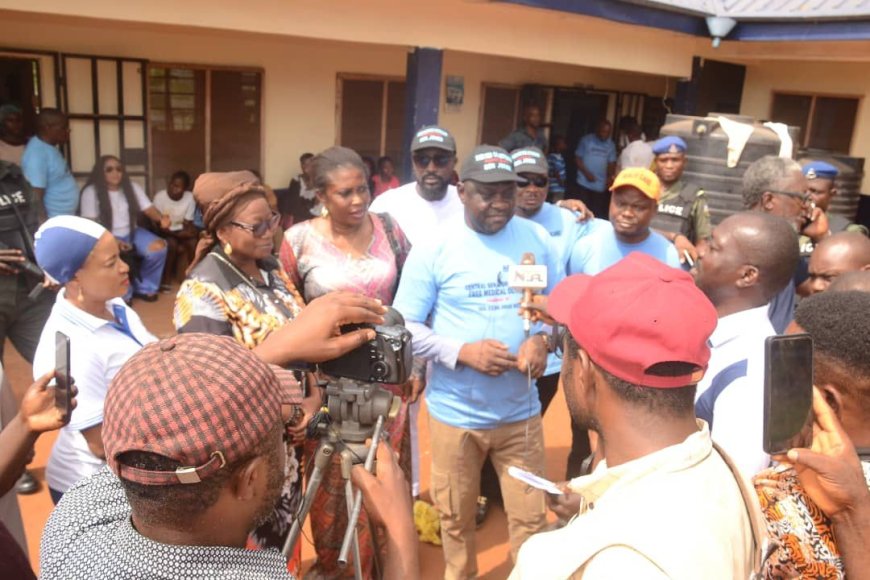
45,168
459,283
602,249
563,227
596,155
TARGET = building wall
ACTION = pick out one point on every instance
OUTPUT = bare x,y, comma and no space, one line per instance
833,78
299,97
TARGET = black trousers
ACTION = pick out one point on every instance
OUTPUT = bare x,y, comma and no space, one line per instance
22,319
598,202
489,487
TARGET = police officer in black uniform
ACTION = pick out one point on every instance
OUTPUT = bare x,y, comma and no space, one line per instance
25,303
683,216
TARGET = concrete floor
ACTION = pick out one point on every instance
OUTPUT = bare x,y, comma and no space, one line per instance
493,556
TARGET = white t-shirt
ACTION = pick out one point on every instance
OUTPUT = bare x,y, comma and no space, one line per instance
120,211
98,350
418,218
636,154
178,211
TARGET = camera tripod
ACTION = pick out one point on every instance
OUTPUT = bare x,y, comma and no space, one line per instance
357,411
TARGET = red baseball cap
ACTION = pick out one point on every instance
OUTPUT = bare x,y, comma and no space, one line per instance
638,313
201,400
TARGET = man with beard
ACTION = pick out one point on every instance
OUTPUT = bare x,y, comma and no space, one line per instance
749,258
193,467
663,502
422,208
481,397
635,195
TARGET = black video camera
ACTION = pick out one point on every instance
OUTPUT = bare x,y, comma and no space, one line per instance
386,359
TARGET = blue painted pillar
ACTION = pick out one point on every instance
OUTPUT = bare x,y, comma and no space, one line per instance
423,96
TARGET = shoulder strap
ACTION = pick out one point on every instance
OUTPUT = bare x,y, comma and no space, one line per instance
689,191
707,402
762,544
389,229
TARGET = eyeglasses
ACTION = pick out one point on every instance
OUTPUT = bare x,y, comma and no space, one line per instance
802,197
440,159
113,169
536,180
261,229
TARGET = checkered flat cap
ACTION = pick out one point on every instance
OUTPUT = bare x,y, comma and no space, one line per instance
202,400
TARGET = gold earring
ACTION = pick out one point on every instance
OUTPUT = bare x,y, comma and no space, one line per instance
228,249
324,213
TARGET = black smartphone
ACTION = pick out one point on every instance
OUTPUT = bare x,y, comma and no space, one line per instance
788,391
62,380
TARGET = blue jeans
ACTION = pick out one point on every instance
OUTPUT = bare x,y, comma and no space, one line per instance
151,270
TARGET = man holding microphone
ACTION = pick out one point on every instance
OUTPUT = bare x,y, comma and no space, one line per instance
481,397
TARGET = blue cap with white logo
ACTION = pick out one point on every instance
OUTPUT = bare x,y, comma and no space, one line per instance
669,144
820,170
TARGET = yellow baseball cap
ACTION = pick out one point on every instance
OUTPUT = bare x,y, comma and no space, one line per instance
640,178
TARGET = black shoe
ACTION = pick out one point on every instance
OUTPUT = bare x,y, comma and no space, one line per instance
147,297
482,510
27,484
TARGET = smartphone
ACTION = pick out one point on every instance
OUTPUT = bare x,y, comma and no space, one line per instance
788,391
62,380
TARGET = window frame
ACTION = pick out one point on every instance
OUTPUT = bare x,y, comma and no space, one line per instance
814,96
339,102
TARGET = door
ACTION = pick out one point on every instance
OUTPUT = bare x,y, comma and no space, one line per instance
105,101
575,114
28,80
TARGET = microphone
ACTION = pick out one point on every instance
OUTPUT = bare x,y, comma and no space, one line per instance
528,277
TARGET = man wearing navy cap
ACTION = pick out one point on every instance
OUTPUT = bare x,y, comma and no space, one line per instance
820,177
683,208
482,401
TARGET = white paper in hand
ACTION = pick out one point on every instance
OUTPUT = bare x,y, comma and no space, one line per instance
534,480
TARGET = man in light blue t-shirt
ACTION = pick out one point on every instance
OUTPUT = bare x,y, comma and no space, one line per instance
46,169
595,157
481,402
635,198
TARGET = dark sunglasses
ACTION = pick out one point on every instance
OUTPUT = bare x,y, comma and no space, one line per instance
261,229
113,168
440,159
536,180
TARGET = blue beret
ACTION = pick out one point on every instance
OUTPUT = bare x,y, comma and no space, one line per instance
669,144
820,170
63,243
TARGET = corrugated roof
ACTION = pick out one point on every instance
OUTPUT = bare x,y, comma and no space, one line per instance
778,10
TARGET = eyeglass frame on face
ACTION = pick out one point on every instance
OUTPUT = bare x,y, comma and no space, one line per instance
804,198
441,160
110,168
268,226
539,181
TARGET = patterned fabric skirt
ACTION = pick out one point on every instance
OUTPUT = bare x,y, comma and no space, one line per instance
274,532
328,513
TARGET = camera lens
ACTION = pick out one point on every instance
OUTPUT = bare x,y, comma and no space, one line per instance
380,369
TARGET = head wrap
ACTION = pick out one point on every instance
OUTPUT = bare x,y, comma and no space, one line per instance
63,243
217,195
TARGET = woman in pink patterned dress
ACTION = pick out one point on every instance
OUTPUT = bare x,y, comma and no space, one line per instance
347,248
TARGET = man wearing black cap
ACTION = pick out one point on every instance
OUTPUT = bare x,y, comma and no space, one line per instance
683,208
663,502
482,401
421,209
194,468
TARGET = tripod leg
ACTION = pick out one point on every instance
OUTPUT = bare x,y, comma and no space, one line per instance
357,560
322,459
353,517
